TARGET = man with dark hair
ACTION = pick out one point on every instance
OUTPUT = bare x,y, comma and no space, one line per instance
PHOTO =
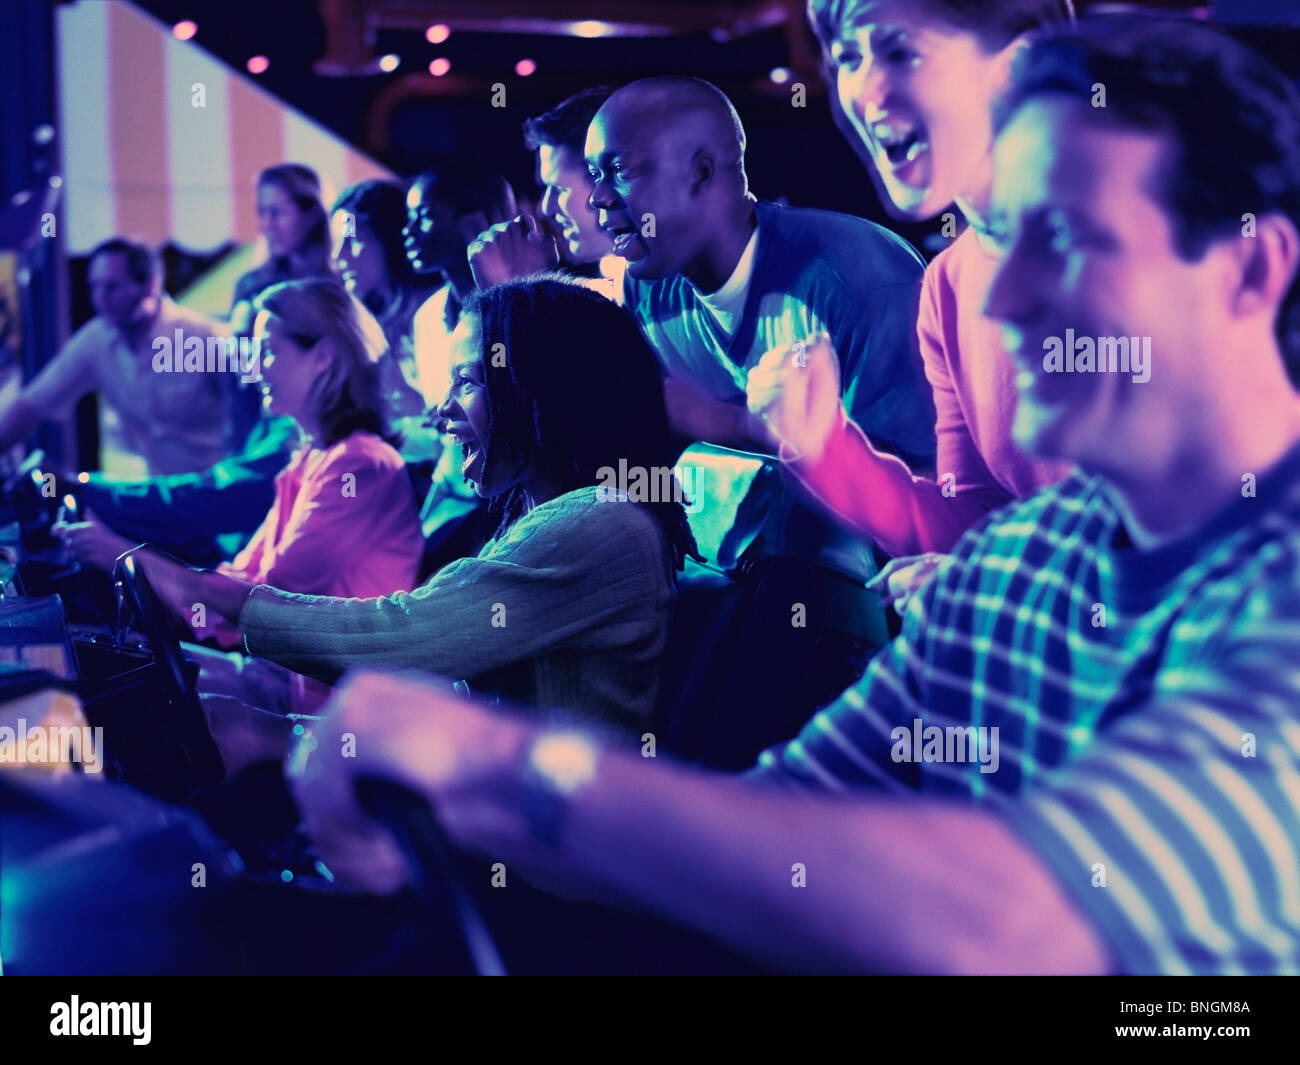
446,208
558,137
717,277
366,223
569,233
175,421
1098,697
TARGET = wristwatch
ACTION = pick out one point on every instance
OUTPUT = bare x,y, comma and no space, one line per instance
557,765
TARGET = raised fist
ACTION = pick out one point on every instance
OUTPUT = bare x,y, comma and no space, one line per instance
795,391
511,249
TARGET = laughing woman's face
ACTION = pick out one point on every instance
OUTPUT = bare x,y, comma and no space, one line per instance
465,410
919,96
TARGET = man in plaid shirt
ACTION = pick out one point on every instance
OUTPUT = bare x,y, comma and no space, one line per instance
1087,735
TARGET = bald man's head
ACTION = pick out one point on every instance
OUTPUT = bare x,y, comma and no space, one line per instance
667,159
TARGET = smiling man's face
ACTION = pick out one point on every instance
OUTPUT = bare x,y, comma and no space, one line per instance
1086,247
431,237
638,173
566,186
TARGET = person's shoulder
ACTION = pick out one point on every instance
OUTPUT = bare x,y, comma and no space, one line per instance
593,513
401,316
90,336
1274,498
251,282
854,245
429,318
961,263
951,261
1067,505
1077,489
433,301
1252,602
362,450
176,316
360,455
643,297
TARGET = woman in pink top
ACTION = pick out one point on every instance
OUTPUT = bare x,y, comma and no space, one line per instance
344,521
916,80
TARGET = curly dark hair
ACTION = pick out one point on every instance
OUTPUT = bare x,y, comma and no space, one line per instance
575,389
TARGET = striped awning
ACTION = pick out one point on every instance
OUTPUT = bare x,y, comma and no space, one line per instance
140,156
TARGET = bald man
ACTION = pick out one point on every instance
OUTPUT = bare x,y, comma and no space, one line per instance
717,278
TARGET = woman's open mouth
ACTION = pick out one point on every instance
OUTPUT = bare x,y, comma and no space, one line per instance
901,147
470,449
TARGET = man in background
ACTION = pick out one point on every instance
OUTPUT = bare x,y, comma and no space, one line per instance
567,232
174,422
446,208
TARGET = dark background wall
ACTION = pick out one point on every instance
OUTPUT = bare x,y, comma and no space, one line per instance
795,154
409,121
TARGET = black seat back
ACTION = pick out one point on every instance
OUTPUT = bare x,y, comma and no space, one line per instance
749,660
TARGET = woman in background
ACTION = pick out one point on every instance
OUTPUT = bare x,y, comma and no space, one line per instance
553,387
916,81
344,518
291,219
367,254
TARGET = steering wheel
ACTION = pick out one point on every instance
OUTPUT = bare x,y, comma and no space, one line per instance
197,745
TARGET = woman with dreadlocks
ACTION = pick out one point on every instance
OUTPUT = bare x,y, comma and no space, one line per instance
552,387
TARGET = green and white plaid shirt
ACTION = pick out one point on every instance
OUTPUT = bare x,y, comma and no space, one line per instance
1147,708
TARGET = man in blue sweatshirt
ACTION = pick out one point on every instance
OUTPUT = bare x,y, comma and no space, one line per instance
716,278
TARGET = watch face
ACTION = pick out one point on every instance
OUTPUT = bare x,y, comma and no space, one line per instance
558,765
565,760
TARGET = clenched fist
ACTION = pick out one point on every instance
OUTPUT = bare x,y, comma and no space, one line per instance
416,731
795,390
511,249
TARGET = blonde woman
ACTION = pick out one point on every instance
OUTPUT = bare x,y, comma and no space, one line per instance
344,519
